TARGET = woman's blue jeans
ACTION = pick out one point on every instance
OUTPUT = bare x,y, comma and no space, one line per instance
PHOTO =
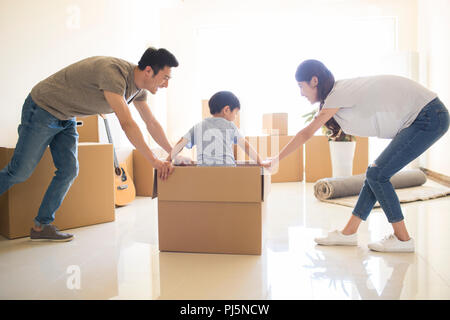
431,124
37,130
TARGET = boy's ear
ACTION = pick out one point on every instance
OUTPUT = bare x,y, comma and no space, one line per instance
227,108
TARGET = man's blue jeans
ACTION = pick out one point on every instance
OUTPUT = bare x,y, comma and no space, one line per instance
431,124
37,130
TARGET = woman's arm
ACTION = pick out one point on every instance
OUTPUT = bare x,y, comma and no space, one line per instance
305,134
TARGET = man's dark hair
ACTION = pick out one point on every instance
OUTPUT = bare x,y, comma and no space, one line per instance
157,59
222,99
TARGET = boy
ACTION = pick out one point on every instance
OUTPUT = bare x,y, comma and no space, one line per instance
215,136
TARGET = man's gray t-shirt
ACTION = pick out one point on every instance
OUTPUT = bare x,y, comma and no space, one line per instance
214,138
77,90
377,106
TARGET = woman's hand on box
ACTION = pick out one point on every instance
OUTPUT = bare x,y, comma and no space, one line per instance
270,163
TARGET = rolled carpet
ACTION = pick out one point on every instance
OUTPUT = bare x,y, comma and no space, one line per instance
330,188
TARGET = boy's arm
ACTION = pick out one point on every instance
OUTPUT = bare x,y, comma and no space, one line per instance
177,149
249,150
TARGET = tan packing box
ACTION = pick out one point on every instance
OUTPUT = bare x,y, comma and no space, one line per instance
88,129
275,124
318,158
212,209
290,168
89,201
143,175
206,113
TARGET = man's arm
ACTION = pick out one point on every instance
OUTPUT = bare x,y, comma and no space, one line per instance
153,126
133,132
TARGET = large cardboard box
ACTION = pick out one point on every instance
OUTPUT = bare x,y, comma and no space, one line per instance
212,209
318,158
143,175
290,168
275,123
88,129
206,113
89,201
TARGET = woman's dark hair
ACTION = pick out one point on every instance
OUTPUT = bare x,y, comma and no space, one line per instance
157,59
305,71
222,99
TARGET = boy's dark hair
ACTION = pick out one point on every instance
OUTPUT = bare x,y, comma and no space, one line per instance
157,59
222,99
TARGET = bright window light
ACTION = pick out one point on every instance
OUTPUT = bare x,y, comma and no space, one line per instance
257,60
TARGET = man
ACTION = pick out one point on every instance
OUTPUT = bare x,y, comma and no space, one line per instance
91,86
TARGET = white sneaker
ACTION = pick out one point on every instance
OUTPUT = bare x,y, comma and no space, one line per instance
336,238
392,244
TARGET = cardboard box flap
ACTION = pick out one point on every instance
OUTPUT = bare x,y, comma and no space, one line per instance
155,184
211,184
266,182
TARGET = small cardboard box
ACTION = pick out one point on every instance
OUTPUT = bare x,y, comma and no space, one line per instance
212,209
290,168
88,129
275,124
318,158
206,113
89,201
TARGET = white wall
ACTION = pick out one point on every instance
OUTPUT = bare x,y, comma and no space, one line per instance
179,27
434,49
40,37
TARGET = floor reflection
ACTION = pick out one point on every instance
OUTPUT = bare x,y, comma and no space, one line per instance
361,275
214,276
121,260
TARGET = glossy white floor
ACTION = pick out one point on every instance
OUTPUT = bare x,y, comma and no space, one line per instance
121,260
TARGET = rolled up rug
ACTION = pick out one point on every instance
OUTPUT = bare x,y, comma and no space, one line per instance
330,188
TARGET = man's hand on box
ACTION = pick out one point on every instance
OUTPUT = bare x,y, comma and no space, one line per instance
164,168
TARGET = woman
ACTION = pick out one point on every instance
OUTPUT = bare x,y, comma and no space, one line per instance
383,106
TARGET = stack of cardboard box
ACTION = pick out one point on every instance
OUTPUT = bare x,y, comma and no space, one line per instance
89,201
318,158
88,129
275,126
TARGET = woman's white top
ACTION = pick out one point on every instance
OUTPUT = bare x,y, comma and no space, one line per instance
377,106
